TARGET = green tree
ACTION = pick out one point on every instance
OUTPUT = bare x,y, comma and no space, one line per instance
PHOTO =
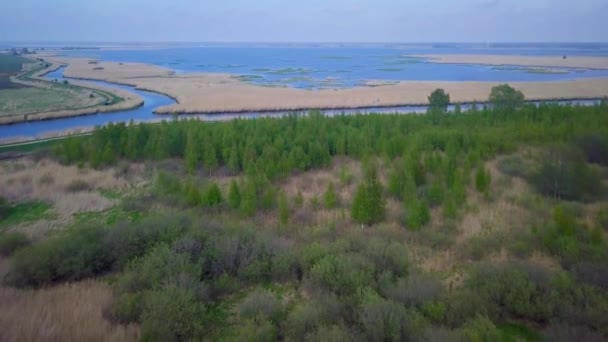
191,154
418,215
369,205
482,180
248,198
234,195
505,98
213,197
439,101
330,198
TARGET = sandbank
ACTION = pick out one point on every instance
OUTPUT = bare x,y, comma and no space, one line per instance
578,62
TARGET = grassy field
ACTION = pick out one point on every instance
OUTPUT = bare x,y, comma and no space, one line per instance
32,100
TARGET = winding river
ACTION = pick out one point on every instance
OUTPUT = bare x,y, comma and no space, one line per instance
54,127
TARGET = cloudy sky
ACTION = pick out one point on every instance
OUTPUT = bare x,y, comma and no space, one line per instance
304,20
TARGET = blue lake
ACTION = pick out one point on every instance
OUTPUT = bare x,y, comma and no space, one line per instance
322,67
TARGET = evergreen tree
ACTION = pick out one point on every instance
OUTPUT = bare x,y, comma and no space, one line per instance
213,197
482,180
330,198
234,195
233,159
191,154
418,215
248,198
210,161
368,205
192,194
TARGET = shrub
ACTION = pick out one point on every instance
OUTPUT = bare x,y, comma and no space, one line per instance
255,330
74,255
595,148
308,316
414,290
480,329
213,197
482,180
173,313
513,165
260,304
330,198
385,320
334,333
565,175
342,274
12,242
418,215
387,256
439,101
234,195
78,185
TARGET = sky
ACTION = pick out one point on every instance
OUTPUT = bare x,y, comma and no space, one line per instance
304,20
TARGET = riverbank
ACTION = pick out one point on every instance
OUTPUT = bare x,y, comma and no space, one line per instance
207,93
78,91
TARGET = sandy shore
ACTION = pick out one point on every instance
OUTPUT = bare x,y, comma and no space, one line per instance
220,93
584,62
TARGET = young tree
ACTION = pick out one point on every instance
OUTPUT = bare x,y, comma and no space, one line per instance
330,198
482,179
234,195
505,98
369,206
418,215
213,197
248,198
439,101
191,154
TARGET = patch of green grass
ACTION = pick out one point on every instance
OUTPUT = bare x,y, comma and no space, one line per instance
110,194
25,212
517,332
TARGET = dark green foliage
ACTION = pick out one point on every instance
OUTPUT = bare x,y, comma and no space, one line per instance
564,174
595,147
505,98
418,214
12,242
384,320
439,101
213,197
344,275
369,205
234,195
260,304
310,315
480,329
482,180
330,198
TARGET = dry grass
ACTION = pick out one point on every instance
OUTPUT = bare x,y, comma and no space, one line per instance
68,312
46,180
220,93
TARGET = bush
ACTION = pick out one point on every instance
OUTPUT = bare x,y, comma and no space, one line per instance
330,198
480,329
334,333
483,178
387,256
308,316
385,320
255,330
213,197
439,101
595,148
73,255
418,215
260,304
514,166
415,290
342,274
12,242
173,313
78,185
505,98
564,174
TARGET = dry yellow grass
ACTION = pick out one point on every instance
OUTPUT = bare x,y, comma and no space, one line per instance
68,312
586,62
46,180
216,93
